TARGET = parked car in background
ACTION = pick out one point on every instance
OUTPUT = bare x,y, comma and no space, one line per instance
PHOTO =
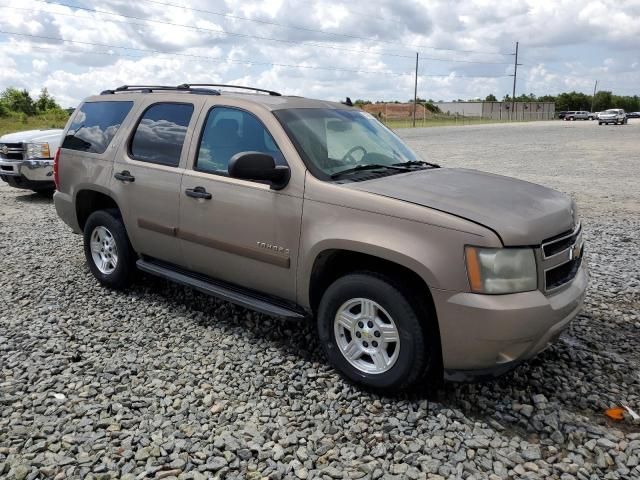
577,115
613,115
304,208
561,115
633,115
26,159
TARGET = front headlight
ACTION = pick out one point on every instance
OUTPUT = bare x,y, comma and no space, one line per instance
38,150
501,270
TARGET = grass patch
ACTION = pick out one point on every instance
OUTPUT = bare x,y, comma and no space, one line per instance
20,122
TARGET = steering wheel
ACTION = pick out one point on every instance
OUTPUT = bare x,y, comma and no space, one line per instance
349,158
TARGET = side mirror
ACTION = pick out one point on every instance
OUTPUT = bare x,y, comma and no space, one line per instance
259,166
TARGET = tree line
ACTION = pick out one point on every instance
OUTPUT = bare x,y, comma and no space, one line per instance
14,101
580,101
564,101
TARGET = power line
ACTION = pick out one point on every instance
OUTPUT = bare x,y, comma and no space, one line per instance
264,22
225,60
244,35
202,29
295,27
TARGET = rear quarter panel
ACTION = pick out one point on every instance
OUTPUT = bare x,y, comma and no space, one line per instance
89,171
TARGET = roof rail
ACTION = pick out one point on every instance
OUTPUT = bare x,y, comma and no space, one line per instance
189,85
151,88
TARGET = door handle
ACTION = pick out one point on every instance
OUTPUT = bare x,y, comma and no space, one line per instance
124,176
198,192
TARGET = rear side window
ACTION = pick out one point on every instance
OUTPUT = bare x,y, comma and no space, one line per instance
228,131
95,125
160,134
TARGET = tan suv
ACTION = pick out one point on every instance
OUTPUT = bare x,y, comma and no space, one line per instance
305,208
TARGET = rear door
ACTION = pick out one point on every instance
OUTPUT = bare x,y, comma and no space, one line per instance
240,231
148,171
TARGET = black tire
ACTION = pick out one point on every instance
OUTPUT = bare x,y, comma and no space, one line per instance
124,270
419,345
600,123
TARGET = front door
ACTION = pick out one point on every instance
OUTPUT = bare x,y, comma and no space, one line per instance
235,230
147,176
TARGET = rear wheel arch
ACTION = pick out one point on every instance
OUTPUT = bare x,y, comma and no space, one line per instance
88,201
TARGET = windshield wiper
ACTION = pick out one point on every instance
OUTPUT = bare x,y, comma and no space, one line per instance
371,166
416,163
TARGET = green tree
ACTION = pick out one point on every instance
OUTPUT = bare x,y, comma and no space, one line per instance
573,101
18,101
46,102
491,98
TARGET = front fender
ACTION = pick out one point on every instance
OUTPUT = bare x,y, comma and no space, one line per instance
433,252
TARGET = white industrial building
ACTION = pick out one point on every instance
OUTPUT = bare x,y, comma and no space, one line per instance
500,110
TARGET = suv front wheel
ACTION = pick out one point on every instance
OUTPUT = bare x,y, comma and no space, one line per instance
107,249
372,334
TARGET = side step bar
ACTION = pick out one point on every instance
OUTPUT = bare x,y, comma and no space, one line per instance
222,290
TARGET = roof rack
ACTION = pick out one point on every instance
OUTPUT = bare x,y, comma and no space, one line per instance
151,88
189,85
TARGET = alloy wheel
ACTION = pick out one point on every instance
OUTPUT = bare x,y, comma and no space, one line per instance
104,251
367,336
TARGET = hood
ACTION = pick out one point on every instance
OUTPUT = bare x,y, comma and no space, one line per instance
519,212
32,136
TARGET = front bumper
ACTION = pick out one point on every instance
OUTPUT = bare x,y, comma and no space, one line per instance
40,170
486,335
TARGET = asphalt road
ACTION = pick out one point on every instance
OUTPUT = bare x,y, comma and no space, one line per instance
598,165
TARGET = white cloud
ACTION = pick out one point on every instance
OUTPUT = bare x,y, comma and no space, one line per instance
39,65
564,45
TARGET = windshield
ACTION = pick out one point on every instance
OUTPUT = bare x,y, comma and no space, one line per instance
334,140
612,111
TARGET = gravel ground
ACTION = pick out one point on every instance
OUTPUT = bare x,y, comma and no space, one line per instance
163,382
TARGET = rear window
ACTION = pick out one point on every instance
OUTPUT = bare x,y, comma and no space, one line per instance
161,132
94,126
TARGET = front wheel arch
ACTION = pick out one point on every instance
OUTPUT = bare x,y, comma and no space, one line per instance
332,264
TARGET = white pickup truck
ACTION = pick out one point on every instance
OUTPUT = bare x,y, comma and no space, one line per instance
26,159
613,115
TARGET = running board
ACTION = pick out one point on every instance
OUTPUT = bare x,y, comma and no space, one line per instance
224,291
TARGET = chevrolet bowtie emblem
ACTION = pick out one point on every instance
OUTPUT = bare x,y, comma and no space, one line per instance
575,251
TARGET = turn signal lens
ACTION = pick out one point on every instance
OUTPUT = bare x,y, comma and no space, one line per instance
473,269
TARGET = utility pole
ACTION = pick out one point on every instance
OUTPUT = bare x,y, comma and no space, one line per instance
515,76
593,99
415,92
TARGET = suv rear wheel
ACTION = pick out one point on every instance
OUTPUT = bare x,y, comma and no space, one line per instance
372,334
107,249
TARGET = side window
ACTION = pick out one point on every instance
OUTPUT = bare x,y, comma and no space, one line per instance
160,133
94,125
228,131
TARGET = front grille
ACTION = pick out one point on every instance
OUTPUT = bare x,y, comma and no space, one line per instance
11,151
561,242
562,257
558,276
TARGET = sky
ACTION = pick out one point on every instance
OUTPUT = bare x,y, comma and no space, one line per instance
363,49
